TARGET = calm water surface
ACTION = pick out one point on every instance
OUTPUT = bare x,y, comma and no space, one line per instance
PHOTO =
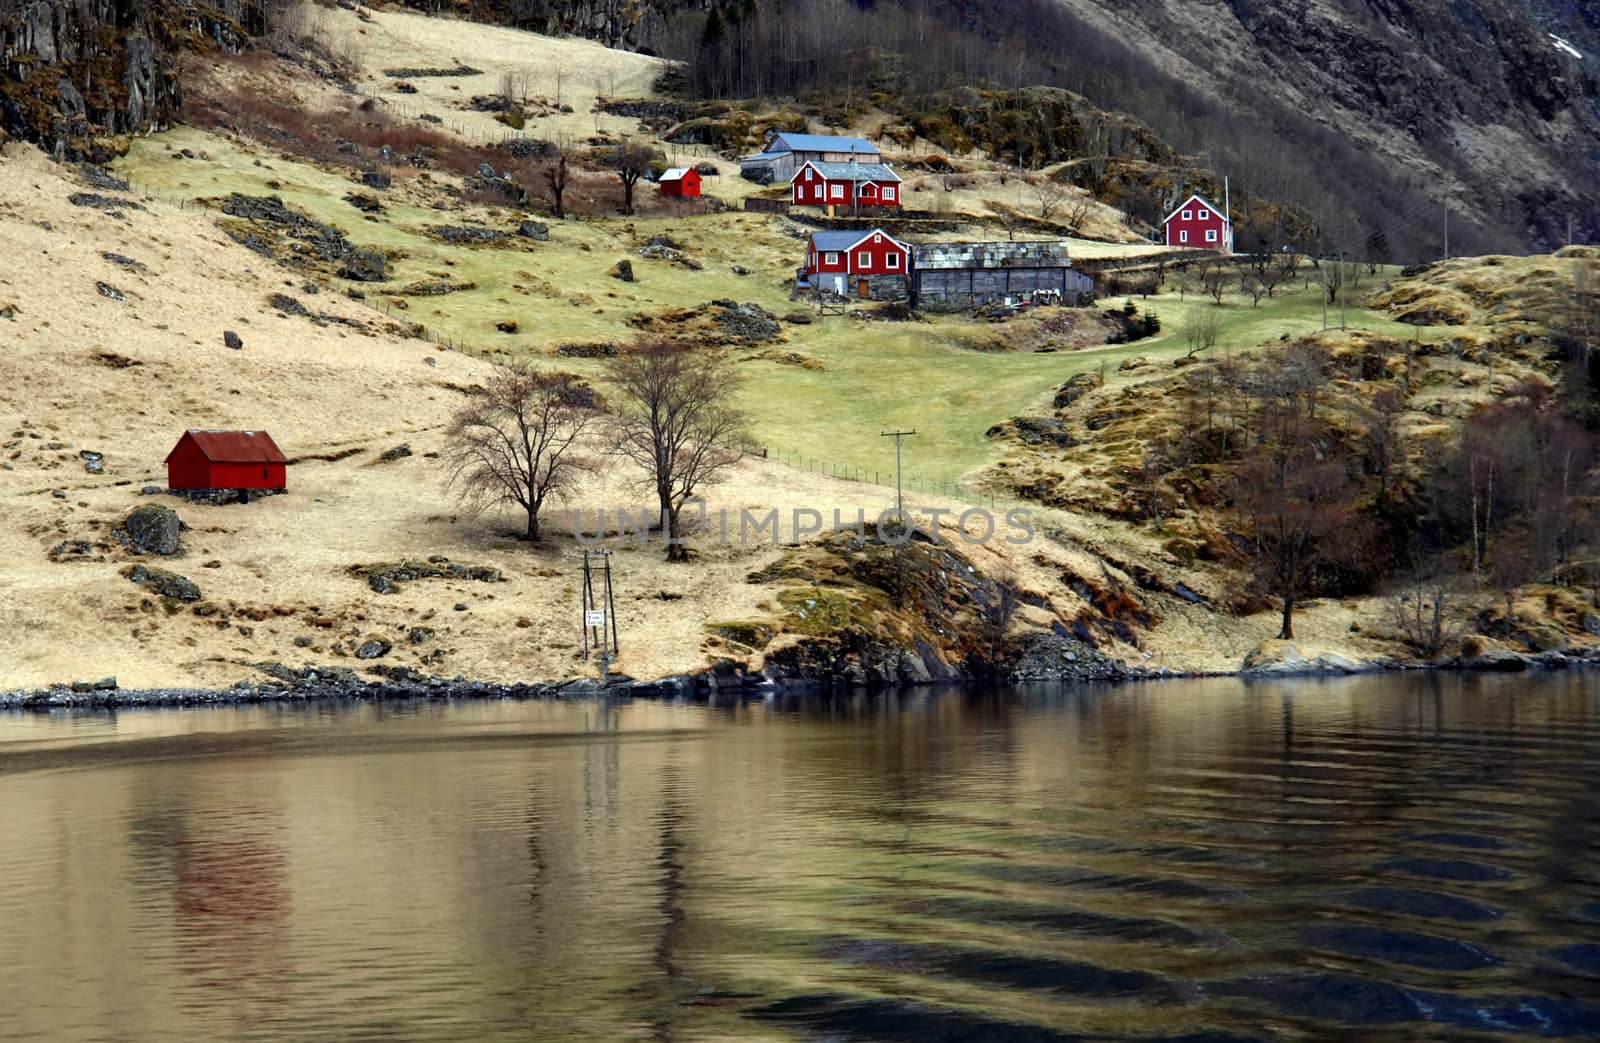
1381,858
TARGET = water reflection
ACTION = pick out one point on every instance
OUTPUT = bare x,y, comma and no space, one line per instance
1398,856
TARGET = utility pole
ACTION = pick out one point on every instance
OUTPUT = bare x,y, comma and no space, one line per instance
1447,229
899,501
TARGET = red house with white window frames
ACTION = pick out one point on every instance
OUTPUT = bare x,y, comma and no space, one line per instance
843,261
845,184
1198,225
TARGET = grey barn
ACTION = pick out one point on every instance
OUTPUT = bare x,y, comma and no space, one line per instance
786,153
958,276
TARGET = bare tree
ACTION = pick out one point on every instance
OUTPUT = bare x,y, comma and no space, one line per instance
517,442
631,160
1200,328
1214,279
1385,450
1424,607
1078,215
557,173
1052,196
675,418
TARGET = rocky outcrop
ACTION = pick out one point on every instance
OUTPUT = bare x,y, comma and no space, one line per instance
1285,658
76,75
630,25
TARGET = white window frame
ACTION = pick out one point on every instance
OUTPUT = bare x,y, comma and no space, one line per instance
888,193
831,257
863,259
835,191
893,261
1183,235
1211,235
1187,215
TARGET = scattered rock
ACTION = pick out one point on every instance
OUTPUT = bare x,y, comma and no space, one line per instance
373,648
419,635
167,584
286,304
622,270
1076,388
109,292
587,351
506,326
99,202
152,529
99,177
364,203
231,339
536,230
123,262
376,179
467,235
385,577
1280,658
421,74
302,642
365,266
93,462
740,269
399,452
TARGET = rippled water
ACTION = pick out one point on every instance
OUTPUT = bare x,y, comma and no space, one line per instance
1381,858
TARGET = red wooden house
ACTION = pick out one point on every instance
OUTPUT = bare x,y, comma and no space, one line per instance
226,460
862,263
845,184
1199,225
681,183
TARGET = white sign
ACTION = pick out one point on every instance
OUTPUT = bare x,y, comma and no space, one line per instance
594,617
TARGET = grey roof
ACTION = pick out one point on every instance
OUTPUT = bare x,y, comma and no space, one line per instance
763,157
841,241
836,242
853,171
819,143
961,256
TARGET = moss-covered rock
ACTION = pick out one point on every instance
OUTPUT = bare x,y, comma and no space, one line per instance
167,584
152,529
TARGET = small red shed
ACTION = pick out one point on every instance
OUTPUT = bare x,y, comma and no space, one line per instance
1199,225
681,182
226,460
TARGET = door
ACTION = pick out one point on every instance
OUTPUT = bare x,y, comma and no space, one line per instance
863,289
838,285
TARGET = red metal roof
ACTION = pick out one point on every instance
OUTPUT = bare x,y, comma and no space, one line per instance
235,447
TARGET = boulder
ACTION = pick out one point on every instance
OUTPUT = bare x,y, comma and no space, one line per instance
373,648
1279,658
152,529
231,339
537,230
623,270
365,266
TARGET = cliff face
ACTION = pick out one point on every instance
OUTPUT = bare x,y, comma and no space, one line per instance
76,74
628,25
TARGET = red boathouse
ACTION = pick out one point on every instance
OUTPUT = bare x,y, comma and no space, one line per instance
226,460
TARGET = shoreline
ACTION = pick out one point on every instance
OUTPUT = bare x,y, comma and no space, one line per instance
725,678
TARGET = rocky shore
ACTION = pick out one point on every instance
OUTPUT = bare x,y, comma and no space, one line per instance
1040,662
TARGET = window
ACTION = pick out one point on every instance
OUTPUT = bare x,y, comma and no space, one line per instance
888,193
832,258
863,260
1188,215
836,191
894,262
1211,235
810,173
1183,237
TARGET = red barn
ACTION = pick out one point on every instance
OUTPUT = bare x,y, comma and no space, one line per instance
845,184
226,460
852,261
681,182
1198,224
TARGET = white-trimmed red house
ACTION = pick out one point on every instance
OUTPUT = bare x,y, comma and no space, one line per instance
845,184
1198,225
681,183
862,264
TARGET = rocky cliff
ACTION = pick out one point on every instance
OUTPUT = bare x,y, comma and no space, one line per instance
629,25
77,74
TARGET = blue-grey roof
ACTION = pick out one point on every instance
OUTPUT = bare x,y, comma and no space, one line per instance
854,171
819,143
836,242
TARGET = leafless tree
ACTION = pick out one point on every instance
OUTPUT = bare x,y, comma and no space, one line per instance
557,172
1078,215
675,418
1385,450
1424,608
631,160
1052,196
1214,279
1200,328
517,443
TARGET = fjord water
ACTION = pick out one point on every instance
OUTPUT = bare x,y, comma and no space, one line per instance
1375,858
